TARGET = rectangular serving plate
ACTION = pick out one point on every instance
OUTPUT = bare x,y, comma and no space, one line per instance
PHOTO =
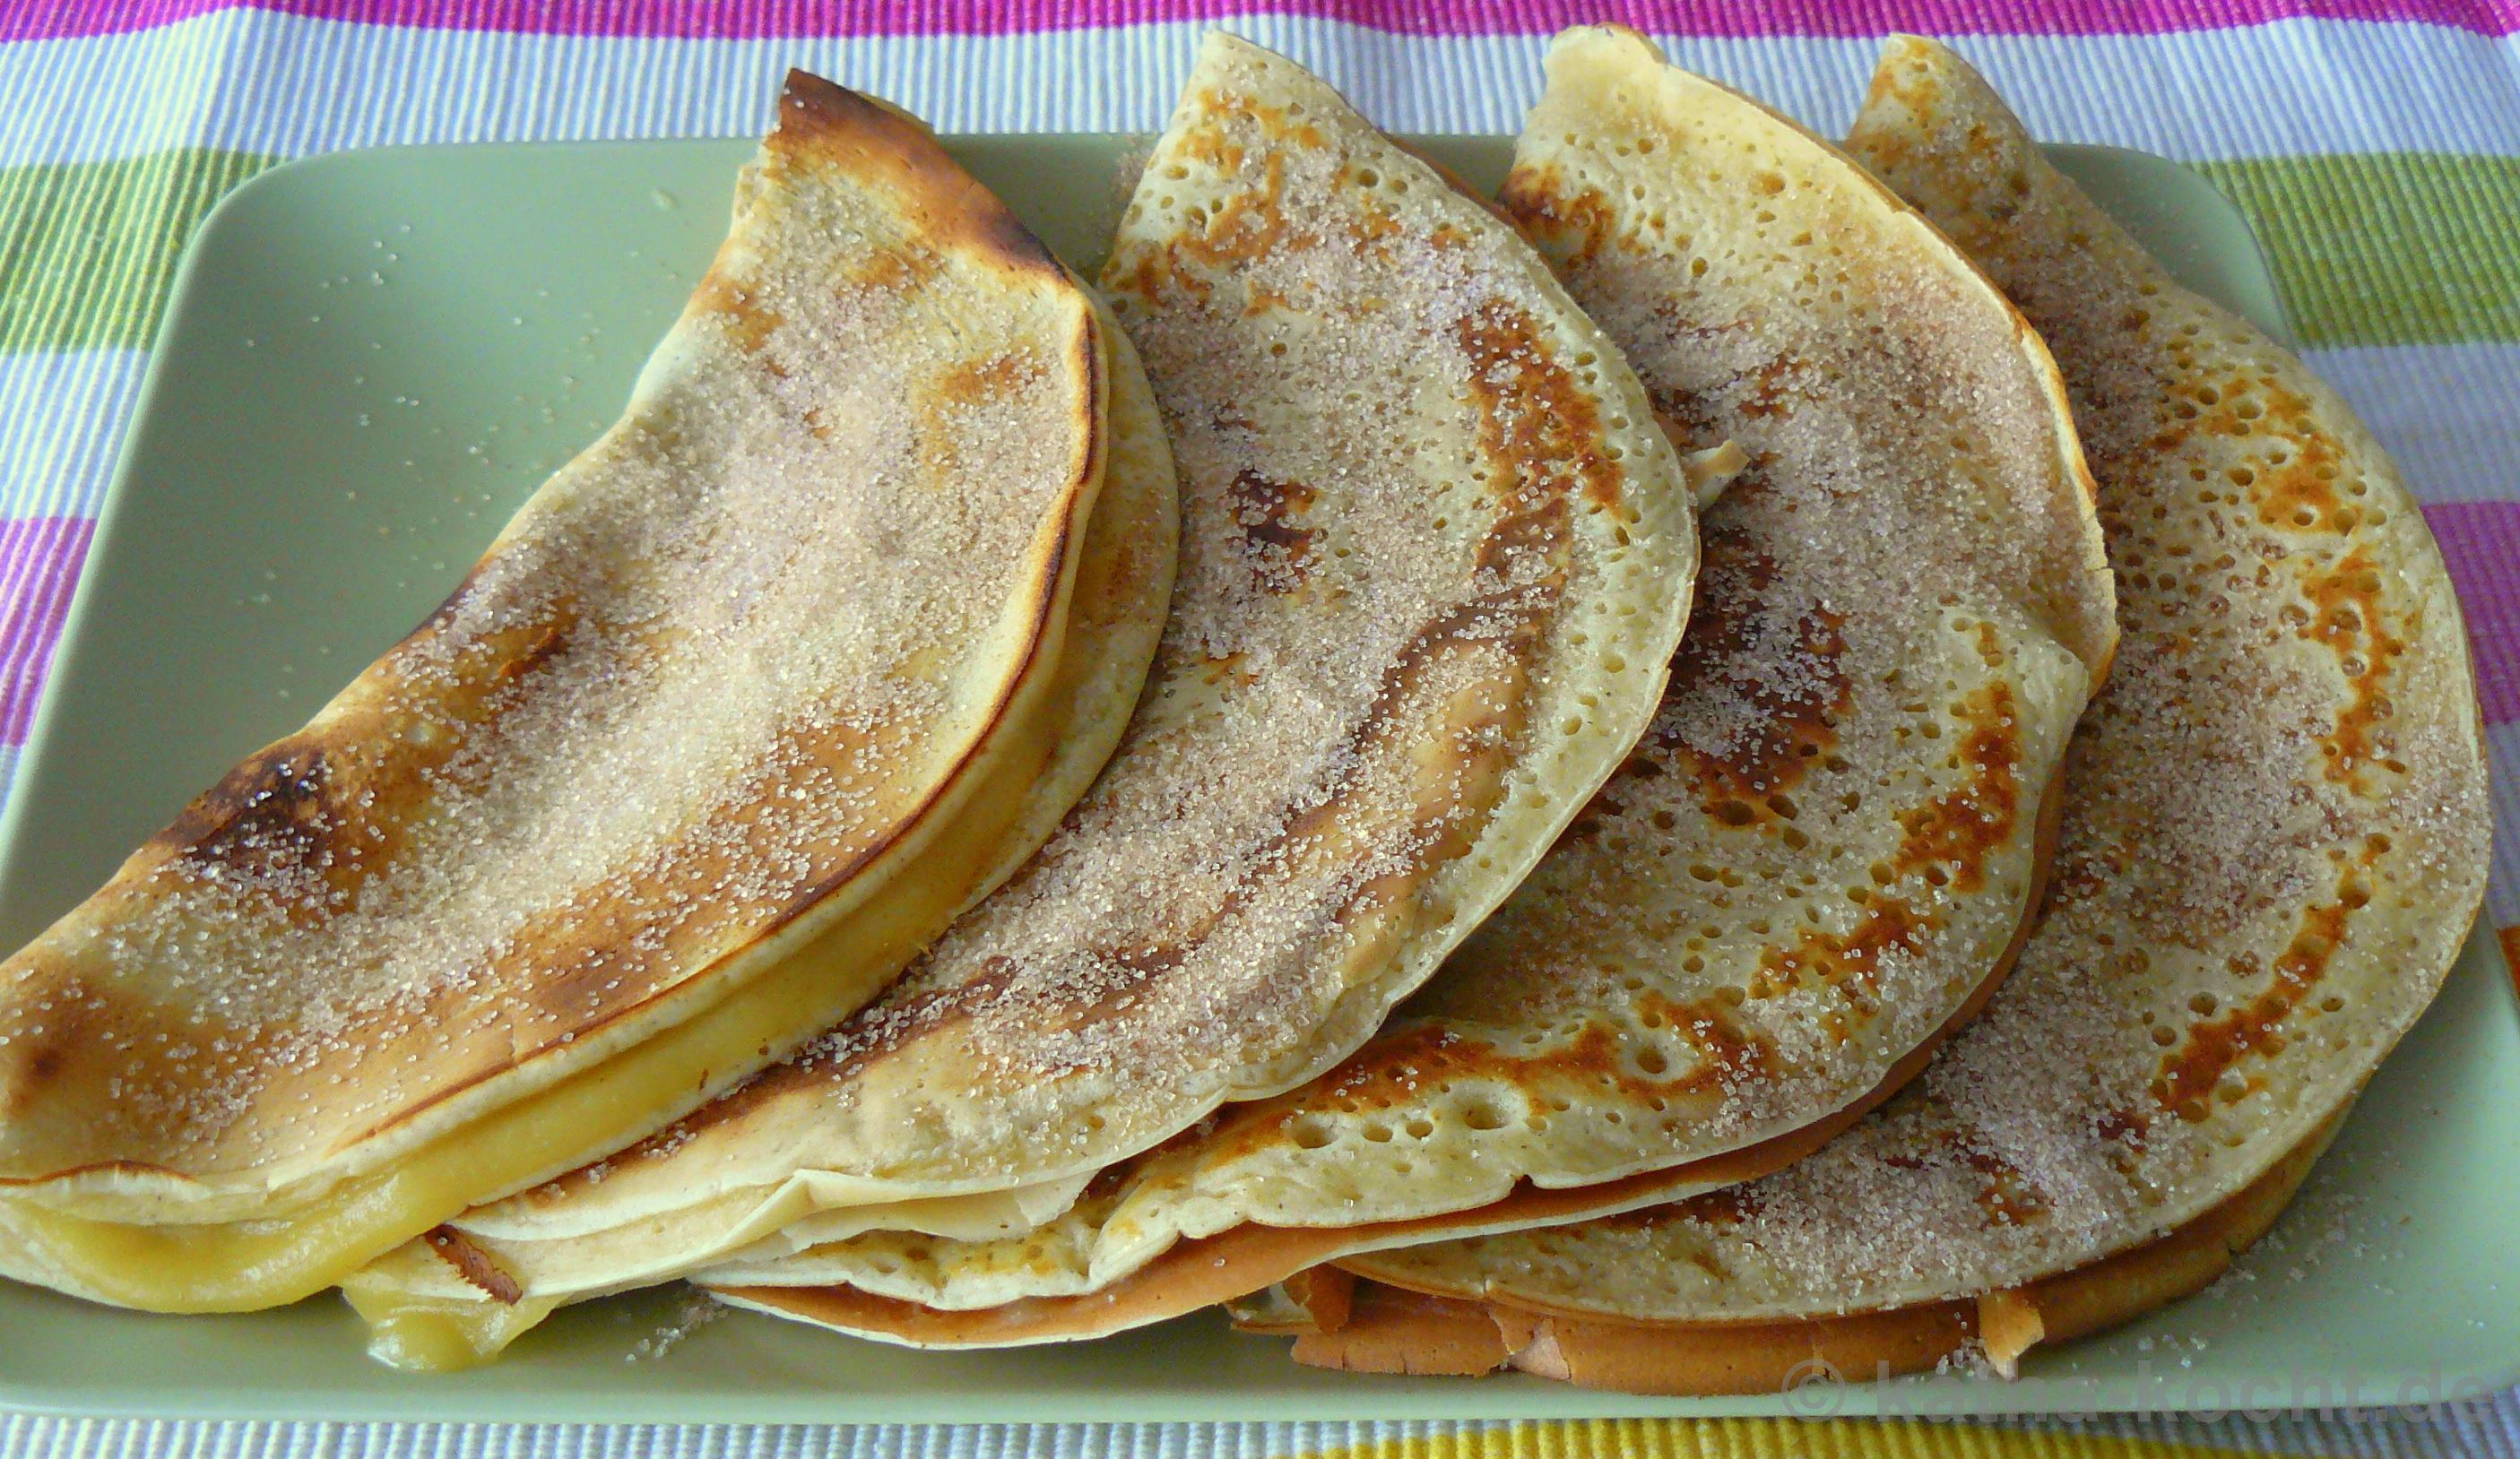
372,357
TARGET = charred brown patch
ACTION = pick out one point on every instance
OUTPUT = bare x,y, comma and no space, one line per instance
1267,513
2189,1073
1953,834
811,107
2126,1128
269,816
999,235
2346,615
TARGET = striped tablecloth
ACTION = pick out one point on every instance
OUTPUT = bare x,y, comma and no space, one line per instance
2374,144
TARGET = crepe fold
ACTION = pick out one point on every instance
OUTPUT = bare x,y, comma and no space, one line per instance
1435,557
2274,839
734,714
1818,859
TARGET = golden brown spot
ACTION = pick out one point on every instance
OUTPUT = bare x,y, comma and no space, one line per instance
474,1265
817,116
1767,391
1280,552
1958,828
2346,615
1849,961
978,381
1536,421
1273,121
2298,494
2007,1198
749,323
1148,277
1213,148
1263,298
1397,1071
1723,1209
1245,224
1989,645
2126,1128
1796,713
1375,224
2291,478
898,269
2189,1073
1536,199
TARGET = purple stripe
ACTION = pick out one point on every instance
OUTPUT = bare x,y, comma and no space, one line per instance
40,557
2481,541
26,20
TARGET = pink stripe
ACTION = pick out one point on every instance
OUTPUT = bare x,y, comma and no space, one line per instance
26,20
40,557
2481,541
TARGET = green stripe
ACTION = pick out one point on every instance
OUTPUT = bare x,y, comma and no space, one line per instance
87,249
2369,248
2388,247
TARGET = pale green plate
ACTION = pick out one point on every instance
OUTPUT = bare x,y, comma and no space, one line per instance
373,356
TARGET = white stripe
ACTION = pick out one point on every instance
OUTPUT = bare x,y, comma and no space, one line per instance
260,83
62,415
2449,412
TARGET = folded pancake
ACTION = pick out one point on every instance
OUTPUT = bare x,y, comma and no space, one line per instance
1435,558
430,1303
2274,840
1817,859
731,718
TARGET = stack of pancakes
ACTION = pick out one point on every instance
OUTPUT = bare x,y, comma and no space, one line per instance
1747,750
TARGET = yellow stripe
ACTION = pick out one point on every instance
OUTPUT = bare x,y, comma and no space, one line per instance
1765,1438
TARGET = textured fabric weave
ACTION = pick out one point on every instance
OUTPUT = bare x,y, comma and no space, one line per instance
2376,149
